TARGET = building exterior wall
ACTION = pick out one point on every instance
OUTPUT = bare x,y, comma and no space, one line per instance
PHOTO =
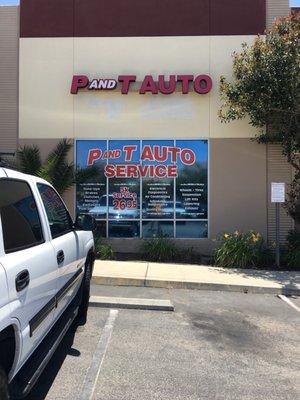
238,187
295,10
108,18
103,39
278,170
9,67
48,64
275,9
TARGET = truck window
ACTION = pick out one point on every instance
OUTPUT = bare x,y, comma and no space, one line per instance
58,216
21,226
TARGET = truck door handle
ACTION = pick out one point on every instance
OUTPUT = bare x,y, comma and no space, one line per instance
22,280
60,257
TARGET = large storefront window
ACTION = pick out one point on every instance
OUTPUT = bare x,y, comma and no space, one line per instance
146,188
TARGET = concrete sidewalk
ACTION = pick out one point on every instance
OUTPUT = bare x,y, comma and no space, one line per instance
133,273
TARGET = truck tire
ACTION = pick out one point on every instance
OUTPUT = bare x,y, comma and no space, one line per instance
85,293
3,385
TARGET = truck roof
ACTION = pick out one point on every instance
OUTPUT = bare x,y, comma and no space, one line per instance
23,176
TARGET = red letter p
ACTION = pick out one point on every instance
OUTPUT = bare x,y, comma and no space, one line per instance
79,81
94,155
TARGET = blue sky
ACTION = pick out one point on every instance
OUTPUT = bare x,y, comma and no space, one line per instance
292,2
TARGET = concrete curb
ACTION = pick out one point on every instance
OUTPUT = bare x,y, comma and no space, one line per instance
131,303
117,281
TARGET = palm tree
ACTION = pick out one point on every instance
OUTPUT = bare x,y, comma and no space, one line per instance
56,169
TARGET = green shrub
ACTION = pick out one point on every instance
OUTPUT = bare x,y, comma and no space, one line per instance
103,251
242,250
159,249
292,257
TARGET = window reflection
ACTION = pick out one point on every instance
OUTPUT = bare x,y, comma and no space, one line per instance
152,229
191,229
124,229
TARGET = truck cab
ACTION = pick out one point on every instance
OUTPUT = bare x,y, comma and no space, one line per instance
46,263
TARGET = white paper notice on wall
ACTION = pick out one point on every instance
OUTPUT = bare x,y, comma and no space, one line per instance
277,192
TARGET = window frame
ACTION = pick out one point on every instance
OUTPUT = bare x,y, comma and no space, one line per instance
46,215
21,248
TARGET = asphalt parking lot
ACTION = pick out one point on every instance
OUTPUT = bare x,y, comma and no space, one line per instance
216,345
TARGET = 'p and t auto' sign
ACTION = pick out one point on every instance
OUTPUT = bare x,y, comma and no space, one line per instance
201,84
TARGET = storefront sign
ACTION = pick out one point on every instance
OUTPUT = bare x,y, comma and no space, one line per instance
201,84
153,186
155,153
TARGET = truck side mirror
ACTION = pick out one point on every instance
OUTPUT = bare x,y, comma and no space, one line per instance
85,222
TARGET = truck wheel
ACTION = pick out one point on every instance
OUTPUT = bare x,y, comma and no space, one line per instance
85,294
3,385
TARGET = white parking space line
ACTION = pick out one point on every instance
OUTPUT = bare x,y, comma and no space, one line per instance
93,372
289,302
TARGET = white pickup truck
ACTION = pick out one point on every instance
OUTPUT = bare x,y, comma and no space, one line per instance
46,263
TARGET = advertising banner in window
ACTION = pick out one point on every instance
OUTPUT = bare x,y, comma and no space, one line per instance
91,195
158,192
191,182
141,188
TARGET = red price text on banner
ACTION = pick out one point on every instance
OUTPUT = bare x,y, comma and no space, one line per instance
124,199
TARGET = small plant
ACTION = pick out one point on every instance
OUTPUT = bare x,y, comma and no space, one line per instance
103,251
160,249
242,250
292,257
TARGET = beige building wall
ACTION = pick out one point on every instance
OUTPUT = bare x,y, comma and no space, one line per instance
239,172
238,189
48,110
9,50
